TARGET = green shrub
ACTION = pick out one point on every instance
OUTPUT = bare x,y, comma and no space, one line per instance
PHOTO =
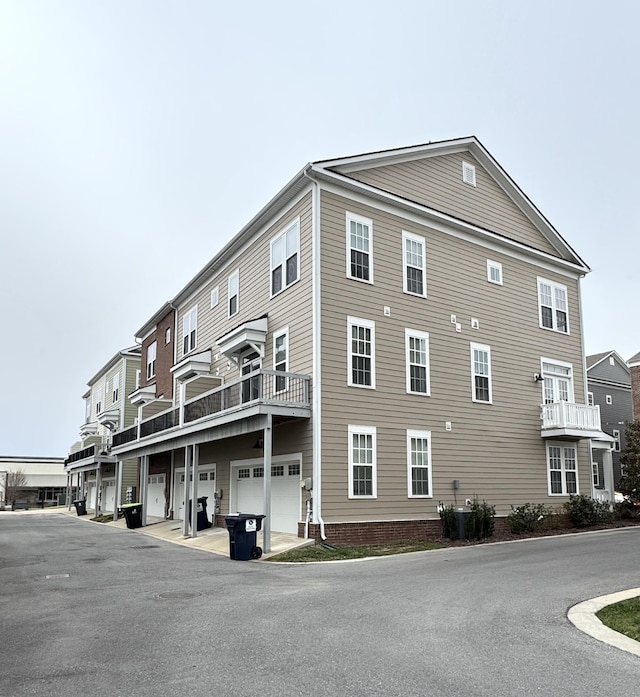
480,522
448,521
584,511
527,518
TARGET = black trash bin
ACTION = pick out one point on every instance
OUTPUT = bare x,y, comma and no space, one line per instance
243,529
81,506
132,514
202,519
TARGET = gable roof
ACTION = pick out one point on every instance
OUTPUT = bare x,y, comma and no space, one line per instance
596,358
634,360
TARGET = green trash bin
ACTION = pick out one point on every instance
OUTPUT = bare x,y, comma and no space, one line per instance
132,514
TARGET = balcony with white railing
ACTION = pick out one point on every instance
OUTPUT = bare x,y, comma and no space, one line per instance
569,420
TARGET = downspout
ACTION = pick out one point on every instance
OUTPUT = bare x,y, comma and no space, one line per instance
317,355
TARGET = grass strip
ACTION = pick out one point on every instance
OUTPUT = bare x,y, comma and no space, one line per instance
331,553
623,617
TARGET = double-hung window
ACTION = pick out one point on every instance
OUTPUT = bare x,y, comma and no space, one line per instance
281,358
362,462
233,293
99,400
361,352
152,350
190,330
285,250
415,264
359,248
419,464
417,361
616,434
215,296
481,373
562,469
552,303
115,388
557,381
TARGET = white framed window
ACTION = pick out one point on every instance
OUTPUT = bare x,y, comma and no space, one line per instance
616,434
590,401
414,261
552,306
359,248
417,361
562,469
595,473
138,373
481,373
167,335
190,330
233,293
152,351
557,384
99,400
362,462
215,296
468,173
608,399
494,272
87,410
361,352
419,464
281,358
115,389
285,252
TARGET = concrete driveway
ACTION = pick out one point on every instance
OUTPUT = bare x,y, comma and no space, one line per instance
88,610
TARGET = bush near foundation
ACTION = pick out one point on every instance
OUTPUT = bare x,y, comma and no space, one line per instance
584,511
529,517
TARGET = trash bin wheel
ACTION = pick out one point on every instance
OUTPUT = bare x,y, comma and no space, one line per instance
256,552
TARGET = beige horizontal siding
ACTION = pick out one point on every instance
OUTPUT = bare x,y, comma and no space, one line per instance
130,412
436,182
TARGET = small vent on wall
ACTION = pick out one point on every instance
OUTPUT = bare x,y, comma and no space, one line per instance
453,319
475,323
387,311
468,174
458,327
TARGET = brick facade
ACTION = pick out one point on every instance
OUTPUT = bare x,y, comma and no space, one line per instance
635,390
163,378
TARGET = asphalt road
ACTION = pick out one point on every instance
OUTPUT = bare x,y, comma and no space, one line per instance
89,610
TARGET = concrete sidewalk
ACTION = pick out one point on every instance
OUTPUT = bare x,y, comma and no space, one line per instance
214,540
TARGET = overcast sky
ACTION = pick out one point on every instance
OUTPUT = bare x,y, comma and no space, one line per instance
138,136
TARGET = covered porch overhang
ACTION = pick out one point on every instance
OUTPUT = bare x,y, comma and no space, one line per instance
605,443
251,335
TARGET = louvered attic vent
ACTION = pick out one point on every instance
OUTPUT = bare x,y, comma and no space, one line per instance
468,174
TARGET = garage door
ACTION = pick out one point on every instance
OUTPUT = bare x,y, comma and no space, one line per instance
155,495
206,487
285,494
108,495
91,495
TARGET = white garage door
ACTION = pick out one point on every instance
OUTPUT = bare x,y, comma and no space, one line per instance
206,487
91,495
155,495
285,494
108,496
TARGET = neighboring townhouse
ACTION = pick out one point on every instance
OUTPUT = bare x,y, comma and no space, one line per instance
609,388
634,370
92,472
391,331
37,481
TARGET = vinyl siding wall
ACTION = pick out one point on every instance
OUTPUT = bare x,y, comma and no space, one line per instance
495,450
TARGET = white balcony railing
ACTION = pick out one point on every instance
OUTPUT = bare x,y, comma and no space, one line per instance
569,415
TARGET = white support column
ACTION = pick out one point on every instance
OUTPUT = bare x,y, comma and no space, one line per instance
118,496
98,490
607,468
266,523
172,485
144,486
69,489
187,488
194,492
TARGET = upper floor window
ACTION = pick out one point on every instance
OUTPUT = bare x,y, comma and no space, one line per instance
359,248
481,373
87,410
552,302
417,361
190,330
557,381
494,272
281,358
138,379
361,350
609,399
99,400
167,335
419,464
215,293
362,462
115,389
414,263
616,434
233,288
590,401
285,250
152,350
562,470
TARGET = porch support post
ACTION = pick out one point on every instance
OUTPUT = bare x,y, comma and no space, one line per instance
69,489
194,491
187,472
98,489
266,506
144,486
607,468
118,497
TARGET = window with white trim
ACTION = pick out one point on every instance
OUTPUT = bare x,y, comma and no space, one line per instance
494,272
285,250
557,383
281,358
362,462
99,400
138,373
87,410
115,390
359,248
590,401
215,296
608,399
361,352
233,293
481,373
419,464
616,434
190,330
167,335
595,473
468,173
562,469
152,350
414,264
552,306
417,361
